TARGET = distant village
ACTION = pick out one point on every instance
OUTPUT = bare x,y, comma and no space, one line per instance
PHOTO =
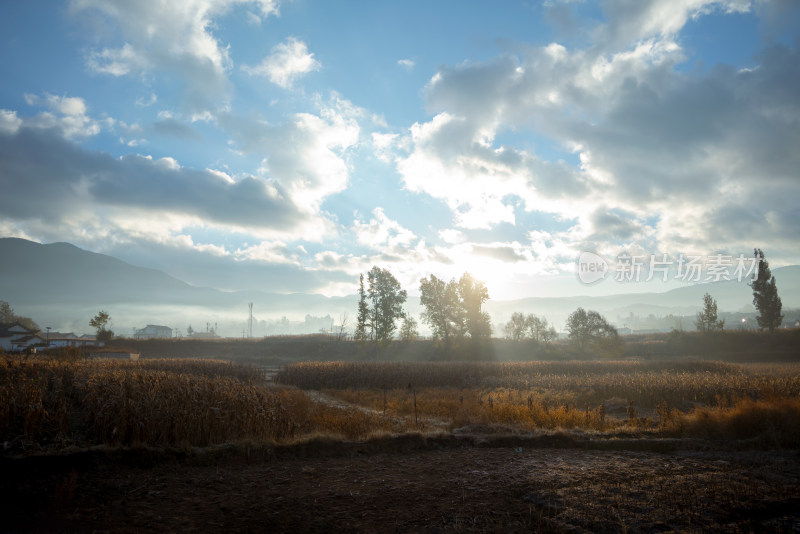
16,337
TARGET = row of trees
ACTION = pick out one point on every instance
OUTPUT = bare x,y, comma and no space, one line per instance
529,327
453,310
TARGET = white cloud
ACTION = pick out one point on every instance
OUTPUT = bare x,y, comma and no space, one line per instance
287,62
305,155
452,160
117,62
381,232
407,64
452,236
661,19
276,252
384,144
667,158
66,113
9,122
172,37
147,102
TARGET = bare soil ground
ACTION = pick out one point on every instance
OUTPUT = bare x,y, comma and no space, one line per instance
405,485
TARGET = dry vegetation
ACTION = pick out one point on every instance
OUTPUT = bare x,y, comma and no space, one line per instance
53,403
685,398
72,401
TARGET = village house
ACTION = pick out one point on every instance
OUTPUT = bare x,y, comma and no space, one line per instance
59,339
15,337
153,331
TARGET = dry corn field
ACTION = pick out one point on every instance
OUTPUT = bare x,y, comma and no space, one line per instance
47,403
678,398
52,403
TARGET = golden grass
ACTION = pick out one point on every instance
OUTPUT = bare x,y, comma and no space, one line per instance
163,402
455,408
774,421
579,383
184,402
159,402
711,400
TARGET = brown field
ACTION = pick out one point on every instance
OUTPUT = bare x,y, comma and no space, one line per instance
188,444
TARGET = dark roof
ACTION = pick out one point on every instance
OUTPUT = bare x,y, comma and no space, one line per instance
61,335
5,327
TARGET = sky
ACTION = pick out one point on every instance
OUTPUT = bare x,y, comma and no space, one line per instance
288,146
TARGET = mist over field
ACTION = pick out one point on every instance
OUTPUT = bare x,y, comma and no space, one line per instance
62,286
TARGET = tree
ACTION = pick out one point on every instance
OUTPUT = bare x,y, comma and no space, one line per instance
379,307
408,331
472,294
529,327
516,328
7,316
443,312
590,329
6,313
363,312
343,321
540,330
99,322
765,295
455,309
707,319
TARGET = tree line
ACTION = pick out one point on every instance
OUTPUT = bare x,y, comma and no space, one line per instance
454,312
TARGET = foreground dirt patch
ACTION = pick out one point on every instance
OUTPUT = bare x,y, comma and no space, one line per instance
460,489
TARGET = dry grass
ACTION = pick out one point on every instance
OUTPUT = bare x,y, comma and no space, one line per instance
711,400
773,421
647,384
456,408
161,402
51,402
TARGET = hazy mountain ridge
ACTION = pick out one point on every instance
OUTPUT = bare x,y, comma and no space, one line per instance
62,286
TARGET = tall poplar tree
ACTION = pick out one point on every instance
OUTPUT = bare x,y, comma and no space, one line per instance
765,295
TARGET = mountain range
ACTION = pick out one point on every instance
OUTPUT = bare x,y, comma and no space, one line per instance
62,286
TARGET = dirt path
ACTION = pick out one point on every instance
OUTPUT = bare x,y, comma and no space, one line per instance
455,490
426,423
